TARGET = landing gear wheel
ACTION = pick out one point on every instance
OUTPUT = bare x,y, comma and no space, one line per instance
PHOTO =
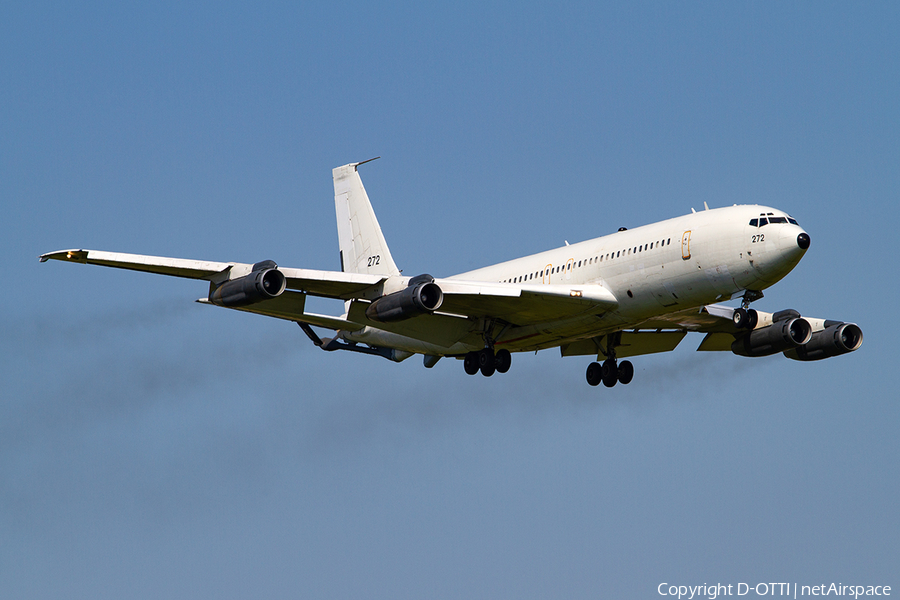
594,373
626,372
470,363
752,318
741,318
503,360
486,362
609,372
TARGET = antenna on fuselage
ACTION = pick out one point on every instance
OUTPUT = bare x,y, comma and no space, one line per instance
705,205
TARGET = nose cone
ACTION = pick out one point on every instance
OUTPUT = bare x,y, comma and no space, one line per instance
803,241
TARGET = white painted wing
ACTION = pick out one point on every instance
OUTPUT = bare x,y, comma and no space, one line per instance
523,304
330,284
177,267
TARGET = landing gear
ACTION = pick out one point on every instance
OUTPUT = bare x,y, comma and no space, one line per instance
470,363
626,372
610,372
745,318
594,373
503,360
487,362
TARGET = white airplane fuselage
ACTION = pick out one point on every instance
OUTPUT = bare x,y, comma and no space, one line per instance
688,261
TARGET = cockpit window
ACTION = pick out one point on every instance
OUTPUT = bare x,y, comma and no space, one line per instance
766,218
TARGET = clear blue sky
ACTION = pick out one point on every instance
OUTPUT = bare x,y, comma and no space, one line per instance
151,447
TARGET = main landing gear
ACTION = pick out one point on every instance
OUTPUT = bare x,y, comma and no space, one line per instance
610,372
487,361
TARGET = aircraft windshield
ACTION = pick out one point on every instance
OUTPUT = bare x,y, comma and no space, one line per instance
766,218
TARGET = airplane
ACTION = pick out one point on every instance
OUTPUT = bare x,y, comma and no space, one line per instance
634,292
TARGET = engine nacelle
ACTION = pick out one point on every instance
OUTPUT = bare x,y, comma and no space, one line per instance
835,339
263,283
420,297
777,337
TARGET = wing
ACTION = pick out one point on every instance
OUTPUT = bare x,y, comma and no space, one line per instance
463,300
329,284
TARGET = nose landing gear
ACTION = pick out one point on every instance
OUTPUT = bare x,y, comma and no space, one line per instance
745,317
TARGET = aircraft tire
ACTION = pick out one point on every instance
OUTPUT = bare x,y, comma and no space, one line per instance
625,372
503,360
752,318
470,363
740,318
594,374
486,362
610,372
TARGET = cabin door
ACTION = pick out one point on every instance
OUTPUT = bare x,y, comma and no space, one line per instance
686,245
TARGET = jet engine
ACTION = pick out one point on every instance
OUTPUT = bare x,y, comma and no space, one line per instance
265,281
787,331
837,338
421,296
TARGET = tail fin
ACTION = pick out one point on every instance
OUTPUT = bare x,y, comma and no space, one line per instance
363,248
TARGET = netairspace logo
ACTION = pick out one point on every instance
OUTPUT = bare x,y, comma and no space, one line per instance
770,589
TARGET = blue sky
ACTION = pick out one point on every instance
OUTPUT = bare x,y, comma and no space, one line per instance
152,447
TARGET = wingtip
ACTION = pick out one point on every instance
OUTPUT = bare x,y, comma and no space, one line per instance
70,255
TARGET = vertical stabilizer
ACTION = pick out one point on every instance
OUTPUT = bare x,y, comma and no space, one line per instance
363,248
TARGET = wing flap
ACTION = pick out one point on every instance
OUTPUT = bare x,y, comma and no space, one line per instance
440,329
631,343
713,318
523,305
291,306
330,284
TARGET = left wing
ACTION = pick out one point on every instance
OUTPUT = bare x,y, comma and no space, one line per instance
463,303
329,284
